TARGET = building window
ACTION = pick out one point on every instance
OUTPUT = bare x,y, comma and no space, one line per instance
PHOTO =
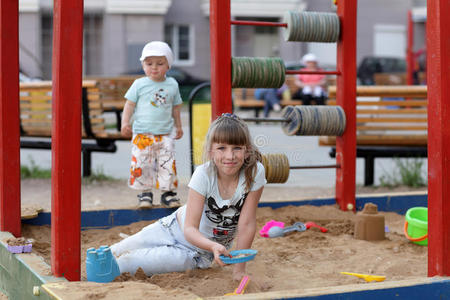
180,38
92,44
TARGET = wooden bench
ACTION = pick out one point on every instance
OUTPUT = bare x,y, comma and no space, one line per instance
36,120
244,98
113,90
391,121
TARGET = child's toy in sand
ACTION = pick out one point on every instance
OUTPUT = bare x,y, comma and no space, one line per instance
276,231
239,256
19,245
101,266
264,231
312,224
366,277
416,225
369,224
241,288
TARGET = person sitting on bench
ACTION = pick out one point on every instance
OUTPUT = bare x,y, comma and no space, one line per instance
311,86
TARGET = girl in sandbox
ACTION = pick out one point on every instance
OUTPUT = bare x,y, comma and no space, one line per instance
223,197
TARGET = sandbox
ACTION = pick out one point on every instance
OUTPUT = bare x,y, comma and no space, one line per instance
306,264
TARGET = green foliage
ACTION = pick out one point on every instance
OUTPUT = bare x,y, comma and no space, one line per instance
34,171
407,172
98,175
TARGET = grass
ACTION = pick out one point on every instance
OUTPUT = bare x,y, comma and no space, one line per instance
33,171
407,172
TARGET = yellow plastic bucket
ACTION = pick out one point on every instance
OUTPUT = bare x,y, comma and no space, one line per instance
416,225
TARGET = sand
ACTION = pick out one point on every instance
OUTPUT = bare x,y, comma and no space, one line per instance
310,259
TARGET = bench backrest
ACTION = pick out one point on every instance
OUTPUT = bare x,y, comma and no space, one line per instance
36,108
113,90
388,115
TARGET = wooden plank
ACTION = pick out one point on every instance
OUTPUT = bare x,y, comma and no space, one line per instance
408,103
407,91
392,127
390,120
392,111
27,105
385,140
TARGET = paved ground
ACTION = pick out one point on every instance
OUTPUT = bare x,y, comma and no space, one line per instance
116,194
302,184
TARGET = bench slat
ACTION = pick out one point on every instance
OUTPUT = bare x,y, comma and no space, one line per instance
390,120
407,91
377,140
399,111
393,127
406,103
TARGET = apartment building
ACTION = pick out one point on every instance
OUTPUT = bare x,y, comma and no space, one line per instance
116,30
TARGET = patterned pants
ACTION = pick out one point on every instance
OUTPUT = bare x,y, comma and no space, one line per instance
153,163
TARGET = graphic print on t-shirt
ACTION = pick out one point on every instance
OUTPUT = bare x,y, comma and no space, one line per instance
160,98
226,219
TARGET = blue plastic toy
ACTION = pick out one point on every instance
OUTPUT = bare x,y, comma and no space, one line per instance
239,256
101,266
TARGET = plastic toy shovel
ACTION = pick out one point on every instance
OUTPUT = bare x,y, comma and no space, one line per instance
241,288
277,231
366,277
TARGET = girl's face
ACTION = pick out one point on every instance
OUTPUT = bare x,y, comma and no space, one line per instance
155,67
228,158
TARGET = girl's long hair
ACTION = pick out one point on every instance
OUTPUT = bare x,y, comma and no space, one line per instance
230,129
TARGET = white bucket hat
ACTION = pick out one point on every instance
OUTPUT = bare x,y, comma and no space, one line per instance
309,57
157,48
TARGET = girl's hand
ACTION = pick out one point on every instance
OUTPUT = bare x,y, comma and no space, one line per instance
217,250
126,130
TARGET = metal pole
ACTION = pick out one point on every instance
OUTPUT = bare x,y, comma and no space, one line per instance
438,70
312,72
259,23
220,39
409,51
66,138
9,119
346,98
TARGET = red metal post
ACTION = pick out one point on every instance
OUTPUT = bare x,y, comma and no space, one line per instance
346,98
290,72
409,51
10,119
259,23
220,39
66,138
438,78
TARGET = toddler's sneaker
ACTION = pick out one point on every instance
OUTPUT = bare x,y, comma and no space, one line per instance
276,107
170,199
145,200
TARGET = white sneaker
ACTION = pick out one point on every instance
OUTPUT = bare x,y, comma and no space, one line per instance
145,200
276,107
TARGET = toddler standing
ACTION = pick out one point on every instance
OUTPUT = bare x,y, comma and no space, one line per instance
155,103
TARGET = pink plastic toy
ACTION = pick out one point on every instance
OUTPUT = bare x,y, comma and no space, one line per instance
241,288
264,232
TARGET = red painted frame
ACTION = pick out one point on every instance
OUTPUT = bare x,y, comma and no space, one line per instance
220,39
9,119
438,78
220,21
346,98
66,138
410,51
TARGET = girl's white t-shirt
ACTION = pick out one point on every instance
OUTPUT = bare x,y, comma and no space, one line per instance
220,216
